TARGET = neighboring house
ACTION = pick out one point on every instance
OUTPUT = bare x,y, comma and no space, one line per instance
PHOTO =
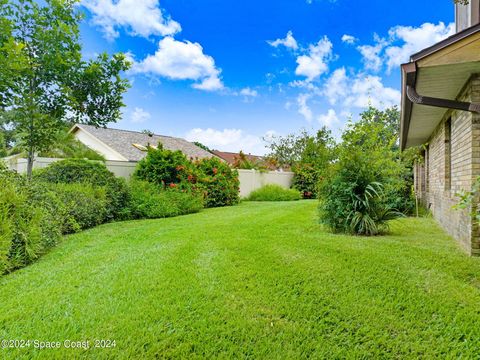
124,145
441,113
233,159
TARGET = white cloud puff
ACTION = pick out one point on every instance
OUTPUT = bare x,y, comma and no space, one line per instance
232,140
359,90
303,108
139,116
182,60
349,39
413,40
315,62
371,54
328,119
249,92
401,43
138,17
289,42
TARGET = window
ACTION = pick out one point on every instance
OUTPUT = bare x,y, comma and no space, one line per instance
448,154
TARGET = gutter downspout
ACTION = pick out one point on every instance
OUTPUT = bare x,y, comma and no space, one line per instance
414,97
409,77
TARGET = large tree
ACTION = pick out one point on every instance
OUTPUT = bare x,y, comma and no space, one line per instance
45,82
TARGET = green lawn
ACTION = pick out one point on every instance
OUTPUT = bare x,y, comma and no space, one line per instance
259,280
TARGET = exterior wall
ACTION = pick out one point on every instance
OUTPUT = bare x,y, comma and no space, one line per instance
250,180
439,179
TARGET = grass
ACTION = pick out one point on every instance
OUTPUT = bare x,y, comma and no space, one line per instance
259,280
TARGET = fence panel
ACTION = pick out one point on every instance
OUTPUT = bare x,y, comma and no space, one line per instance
250,180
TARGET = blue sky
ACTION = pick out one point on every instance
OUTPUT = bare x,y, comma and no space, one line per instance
228,73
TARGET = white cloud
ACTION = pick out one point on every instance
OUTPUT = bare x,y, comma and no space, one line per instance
349,39
228,140
371,54
336,86
401,43
138,17
414,40
367,90
358,90
303,108
328,119
139,115
289,42
180,60
315,62
249,92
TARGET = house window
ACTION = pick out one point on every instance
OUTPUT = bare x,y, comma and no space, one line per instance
448,154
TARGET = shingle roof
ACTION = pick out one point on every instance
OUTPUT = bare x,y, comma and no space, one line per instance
122,142
230,157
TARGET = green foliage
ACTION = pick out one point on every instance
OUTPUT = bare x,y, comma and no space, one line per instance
274,193
85,205
46,82
257,281
307,178
309,157
66,146
151,201
375,137
218,181
165,168
201,146
352,199
242,161
27,229
366,187
171,169
469,200
95,173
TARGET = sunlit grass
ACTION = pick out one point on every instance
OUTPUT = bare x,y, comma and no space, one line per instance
259,280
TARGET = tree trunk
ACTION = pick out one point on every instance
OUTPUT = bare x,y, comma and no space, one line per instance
30,159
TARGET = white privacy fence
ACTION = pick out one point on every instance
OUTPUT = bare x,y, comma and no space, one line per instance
250,180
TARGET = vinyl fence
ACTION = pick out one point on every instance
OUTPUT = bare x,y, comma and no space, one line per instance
250,180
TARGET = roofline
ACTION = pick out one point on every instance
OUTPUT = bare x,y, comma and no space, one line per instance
445,43
409,79
237,153
78,126
132,131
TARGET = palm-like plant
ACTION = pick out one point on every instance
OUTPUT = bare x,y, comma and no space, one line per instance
370,215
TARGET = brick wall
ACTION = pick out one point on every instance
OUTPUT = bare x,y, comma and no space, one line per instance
451,166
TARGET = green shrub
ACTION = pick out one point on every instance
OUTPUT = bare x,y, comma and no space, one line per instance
353,201
172,170
85,205
219,182
27,229
152,201
306,179
92,172
166,168
274,193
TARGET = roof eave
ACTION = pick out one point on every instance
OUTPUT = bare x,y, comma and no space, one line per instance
409,78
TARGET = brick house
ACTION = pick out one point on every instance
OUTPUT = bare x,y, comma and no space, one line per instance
441,113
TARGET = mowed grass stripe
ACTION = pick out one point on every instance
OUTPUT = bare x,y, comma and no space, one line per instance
259,280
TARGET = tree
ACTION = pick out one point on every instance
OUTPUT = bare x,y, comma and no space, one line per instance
202,146
308,155
45,81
